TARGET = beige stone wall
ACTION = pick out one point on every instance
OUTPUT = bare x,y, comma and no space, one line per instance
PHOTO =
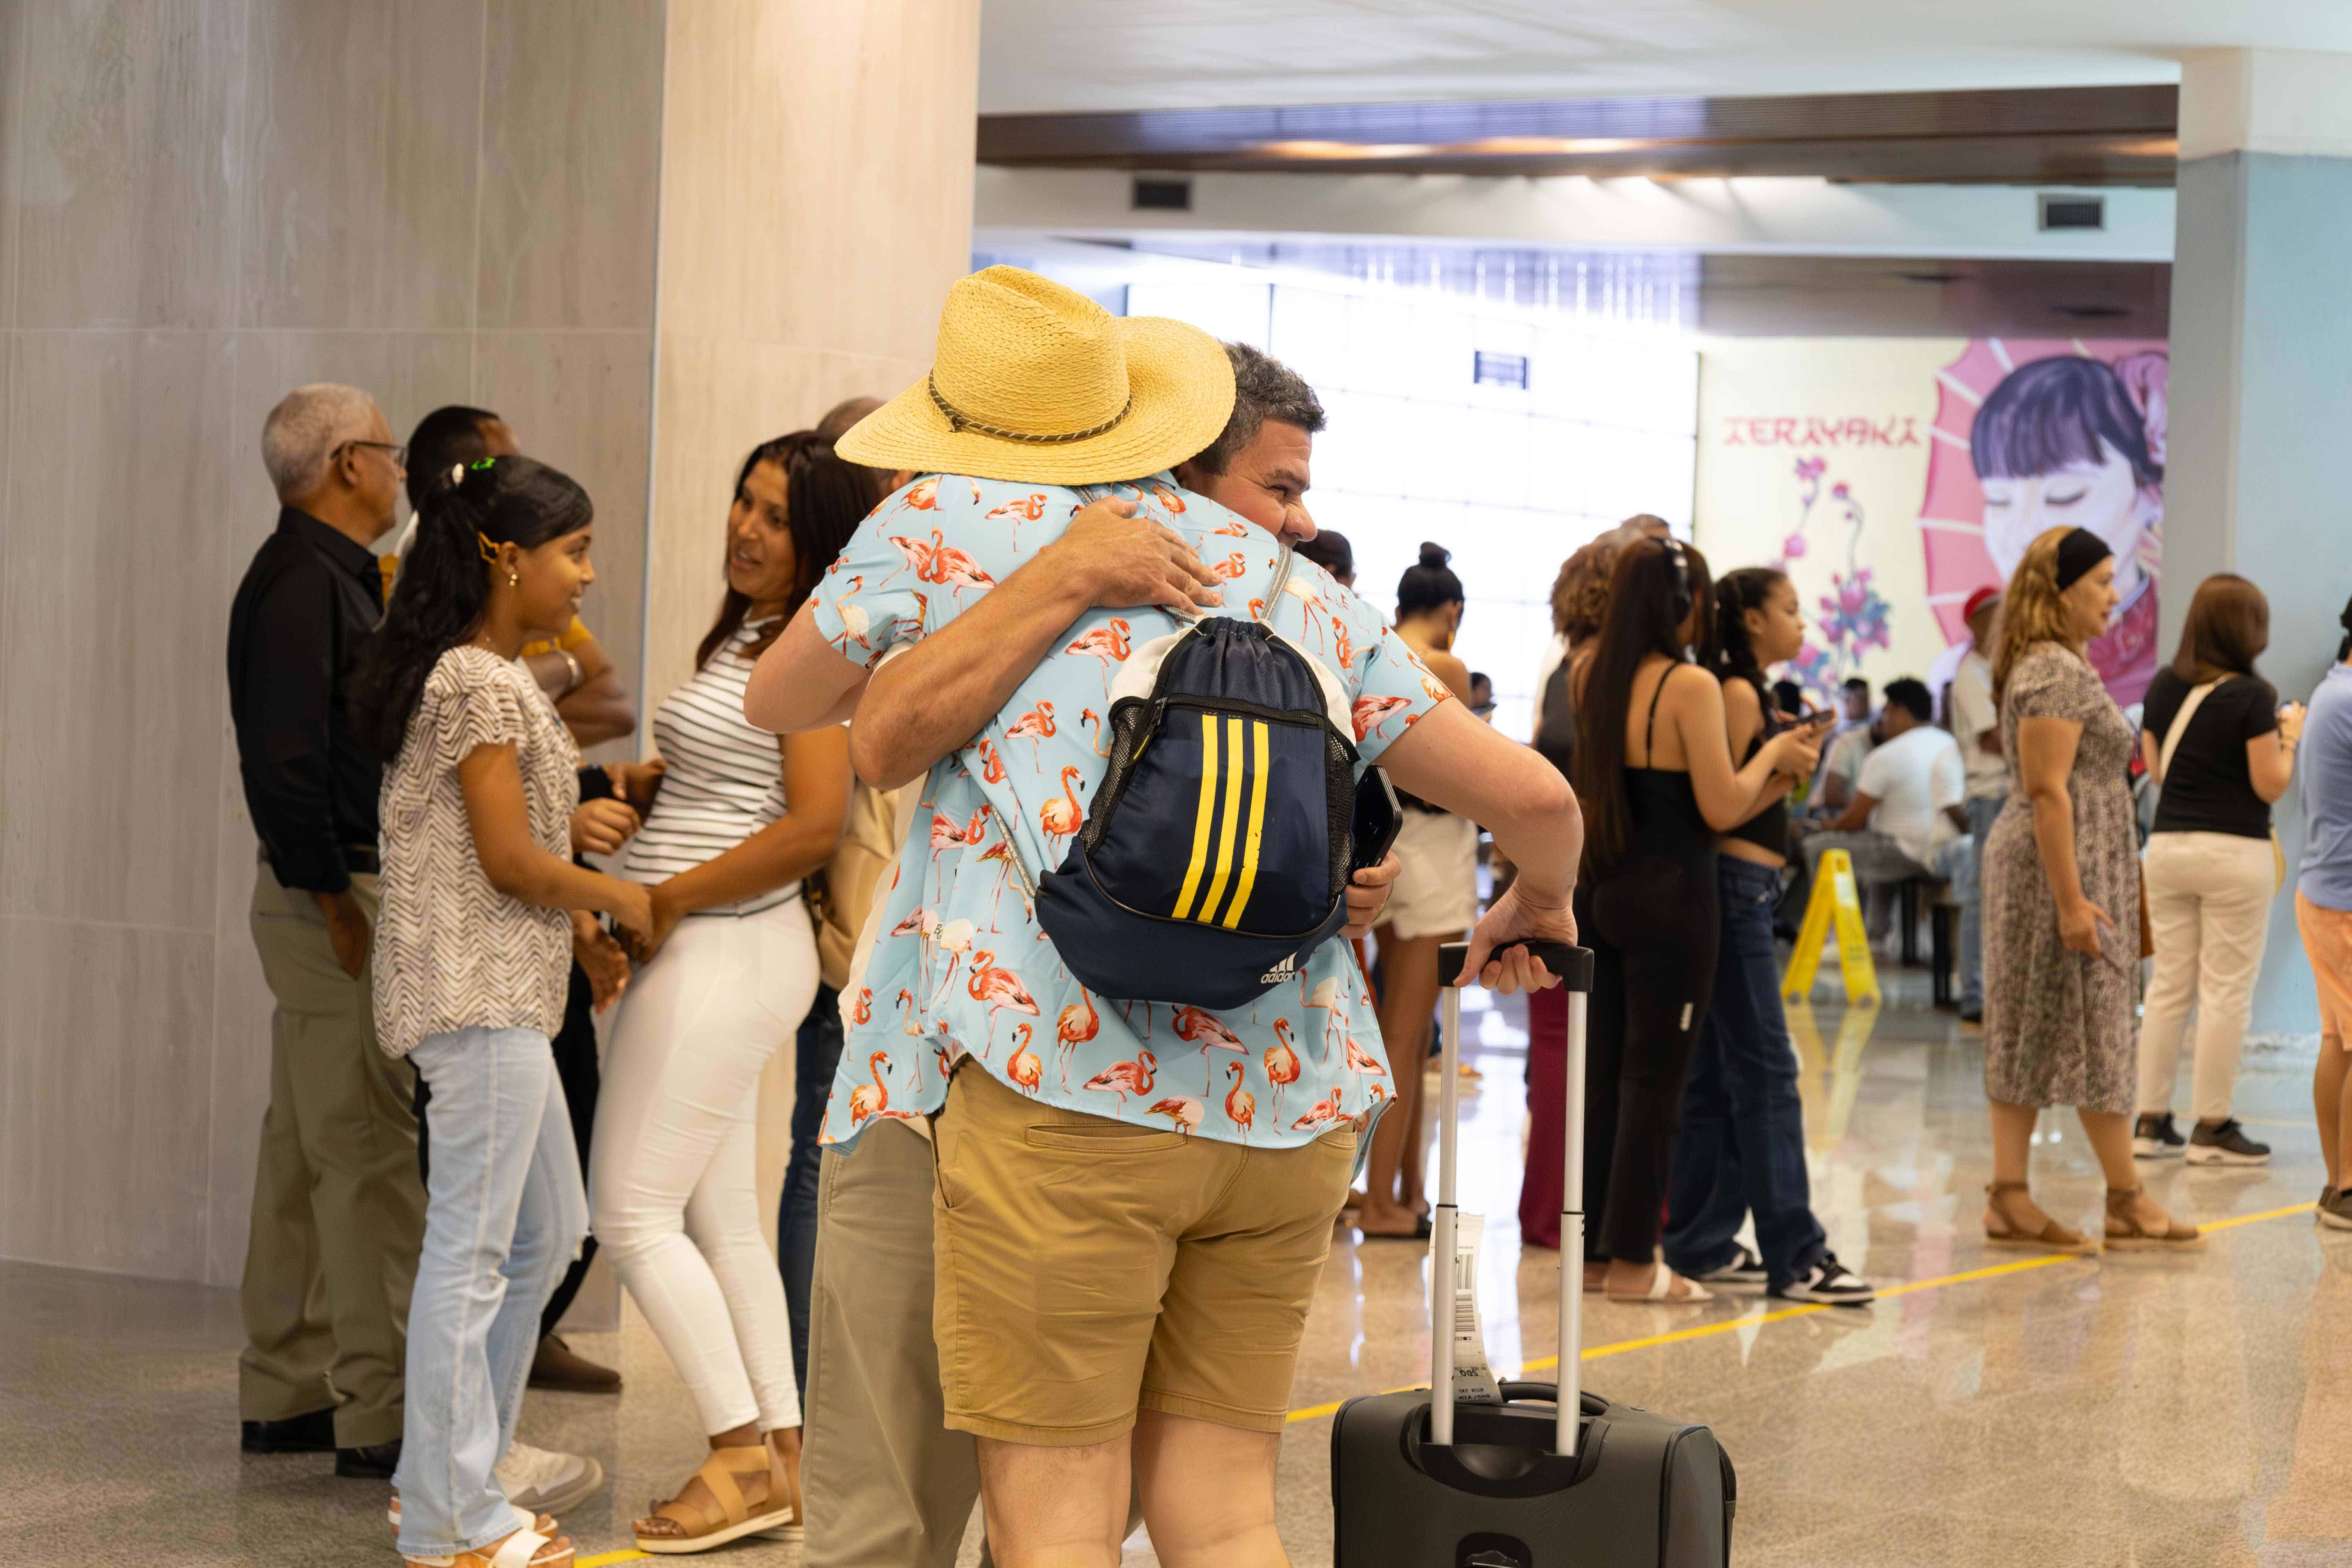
208,202
815,205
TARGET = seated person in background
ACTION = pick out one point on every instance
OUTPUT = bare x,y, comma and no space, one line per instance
1906,818
1841,760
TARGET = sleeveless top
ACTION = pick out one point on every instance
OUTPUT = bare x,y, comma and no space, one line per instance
1663,804
1769,828
726,777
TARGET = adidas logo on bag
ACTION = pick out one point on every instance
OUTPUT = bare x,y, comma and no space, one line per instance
1286,970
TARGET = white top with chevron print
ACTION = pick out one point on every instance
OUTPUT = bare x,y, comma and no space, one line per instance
451,951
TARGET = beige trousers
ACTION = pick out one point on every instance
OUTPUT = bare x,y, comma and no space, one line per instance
2209,902
337,1210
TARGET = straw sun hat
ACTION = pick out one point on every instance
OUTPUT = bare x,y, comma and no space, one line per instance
1034,381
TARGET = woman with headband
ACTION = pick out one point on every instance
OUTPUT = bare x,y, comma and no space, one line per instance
2062,904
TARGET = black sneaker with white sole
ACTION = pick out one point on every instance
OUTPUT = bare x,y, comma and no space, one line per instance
2225,1145
2156,1138
1830,1282
1744,1272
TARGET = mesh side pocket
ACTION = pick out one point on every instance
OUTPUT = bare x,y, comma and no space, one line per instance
1339,801
1125,722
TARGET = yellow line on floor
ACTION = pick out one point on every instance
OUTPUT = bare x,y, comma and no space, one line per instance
1728,1325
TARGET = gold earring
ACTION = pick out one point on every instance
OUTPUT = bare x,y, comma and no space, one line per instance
514,579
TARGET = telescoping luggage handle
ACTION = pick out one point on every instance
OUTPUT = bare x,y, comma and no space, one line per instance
1574,967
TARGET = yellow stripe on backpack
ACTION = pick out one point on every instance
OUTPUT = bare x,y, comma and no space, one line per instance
1204,817
1261,745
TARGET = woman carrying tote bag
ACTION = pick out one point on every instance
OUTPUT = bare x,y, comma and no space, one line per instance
2221,747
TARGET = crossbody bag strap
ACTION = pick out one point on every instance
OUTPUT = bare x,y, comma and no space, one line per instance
2188,706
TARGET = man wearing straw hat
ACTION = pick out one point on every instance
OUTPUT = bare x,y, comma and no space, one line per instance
1124,1264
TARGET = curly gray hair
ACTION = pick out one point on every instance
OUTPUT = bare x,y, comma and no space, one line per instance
1264,388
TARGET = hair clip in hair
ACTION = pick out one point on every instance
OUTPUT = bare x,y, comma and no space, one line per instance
482,462
490,550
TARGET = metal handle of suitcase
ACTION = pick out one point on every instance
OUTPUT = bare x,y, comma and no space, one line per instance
1574,967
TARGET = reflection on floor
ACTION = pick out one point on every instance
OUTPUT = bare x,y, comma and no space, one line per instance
2141,1411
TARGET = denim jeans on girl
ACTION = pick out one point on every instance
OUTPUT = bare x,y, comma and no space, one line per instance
1743,1141
505,1214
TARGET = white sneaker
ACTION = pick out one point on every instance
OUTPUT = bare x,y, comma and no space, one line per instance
541,1480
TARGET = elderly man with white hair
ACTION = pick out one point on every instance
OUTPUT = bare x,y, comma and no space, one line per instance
337,1210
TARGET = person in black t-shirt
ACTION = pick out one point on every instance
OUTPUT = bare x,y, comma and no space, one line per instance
2221,750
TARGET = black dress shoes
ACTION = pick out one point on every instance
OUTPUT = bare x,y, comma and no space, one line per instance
310,1434
374,1463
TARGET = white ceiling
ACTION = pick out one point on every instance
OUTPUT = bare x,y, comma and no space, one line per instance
1038,55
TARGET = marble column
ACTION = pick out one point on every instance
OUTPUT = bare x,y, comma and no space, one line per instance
816,172
2262,387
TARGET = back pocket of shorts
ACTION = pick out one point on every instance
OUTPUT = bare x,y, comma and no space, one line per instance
1103,1137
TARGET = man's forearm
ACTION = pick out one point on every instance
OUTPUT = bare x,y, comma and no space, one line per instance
943,691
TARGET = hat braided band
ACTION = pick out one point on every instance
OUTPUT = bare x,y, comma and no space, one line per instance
959,421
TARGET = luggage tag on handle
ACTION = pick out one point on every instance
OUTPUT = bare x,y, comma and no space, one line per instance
1473,1376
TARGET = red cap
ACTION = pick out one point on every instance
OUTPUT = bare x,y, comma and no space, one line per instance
1978,601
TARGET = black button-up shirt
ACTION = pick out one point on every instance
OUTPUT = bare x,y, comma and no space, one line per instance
312,597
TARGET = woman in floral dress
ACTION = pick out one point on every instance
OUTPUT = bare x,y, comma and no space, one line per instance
2062,903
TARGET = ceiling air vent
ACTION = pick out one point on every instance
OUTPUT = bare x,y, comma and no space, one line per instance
2074,211
1167,195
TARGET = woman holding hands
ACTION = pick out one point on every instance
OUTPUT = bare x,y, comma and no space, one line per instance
2060,872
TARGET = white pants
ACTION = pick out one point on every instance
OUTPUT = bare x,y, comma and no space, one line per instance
2208,904
671,1178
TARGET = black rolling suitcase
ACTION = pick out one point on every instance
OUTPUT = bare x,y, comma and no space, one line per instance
1498,1477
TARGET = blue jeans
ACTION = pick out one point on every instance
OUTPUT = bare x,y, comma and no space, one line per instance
815,1062
1981,814
505,1214
1743,1141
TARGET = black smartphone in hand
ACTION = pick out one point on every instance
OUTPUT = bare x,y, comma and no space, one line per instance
1378,819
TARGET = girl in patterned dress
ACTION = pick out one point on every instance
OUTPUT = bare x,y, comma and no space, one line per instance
481,813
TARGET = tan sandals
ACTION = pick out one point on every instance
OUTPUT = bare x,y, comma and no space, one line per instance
2002,1231
1660,1292
2126,1233
773,1507
524,1549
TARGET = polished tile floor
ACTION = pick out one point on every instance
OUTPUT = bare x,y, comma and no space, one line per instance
2143,1411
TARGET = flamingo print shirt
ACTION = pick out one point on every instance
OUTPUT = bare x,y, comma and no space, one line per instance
960,965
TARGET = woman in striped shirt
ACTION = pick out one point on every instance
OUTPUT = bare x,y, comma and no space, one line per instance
726,972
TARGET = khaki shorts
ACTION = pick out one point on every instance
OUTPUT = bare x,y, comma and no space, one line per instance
2327,943
1087,1267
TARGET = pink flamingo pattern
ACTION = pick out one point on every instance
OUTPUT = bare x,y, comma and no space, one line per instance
957,954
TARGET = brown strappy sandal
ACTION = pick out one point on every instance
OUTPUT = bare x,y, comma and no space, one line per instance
523,1548
2126,1233
2002,1231
723,1475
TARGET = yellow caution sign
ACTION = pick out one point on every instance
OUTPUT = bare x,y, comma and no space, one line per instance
1833,898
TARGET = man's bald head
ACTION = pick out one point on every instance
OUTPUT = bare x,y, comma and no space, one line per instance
843,415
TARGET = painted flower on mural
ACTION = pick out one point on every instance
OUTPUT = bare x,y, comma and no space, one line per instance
1854,614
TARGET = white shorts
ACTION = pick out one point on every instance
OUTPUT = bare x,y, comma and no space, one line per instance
1436,891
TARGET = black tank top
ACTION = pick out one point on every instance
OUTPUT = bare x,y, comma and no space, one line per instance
1769,828
1664,804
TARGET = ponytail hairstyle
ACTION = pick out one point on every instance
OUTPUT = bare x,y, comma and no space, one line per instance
444,583
826,497
1641,620
1428,586
1739,592
2031,608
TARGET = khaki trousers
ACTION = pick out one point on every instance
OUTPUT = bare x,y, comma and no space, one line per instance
2209,907
337,1210
885,1484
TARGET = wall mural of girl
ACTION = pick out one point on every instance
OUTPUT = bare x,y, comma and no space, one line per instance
2052,433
